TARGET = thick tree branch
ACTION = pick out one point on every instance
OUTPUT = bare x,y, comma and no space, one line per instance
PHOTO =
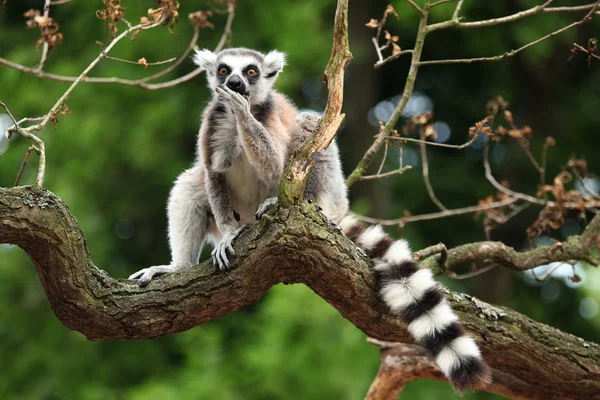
575,248
298,168
541,360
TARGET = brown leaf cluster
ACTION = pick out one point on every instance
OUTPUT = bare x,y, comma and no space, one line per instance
48,29
200,19
111,14
498,107
420,124
553,216
391,40
166,14
63,110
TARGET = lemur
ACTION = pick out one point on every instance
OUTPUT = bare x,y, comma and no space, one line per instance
247,135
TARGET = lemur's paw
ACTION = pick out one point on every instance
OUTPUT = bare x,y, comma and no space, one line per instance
236,101
265,206
219,254
145,275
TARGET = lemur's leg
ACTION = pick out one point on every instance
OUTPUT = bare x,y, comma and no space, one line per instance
264,153
187,211
222,209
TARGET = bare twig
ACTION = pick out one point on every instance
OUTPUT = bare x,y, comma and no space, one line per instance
9,114
502,188
512,52
141,83
439,248
457,10
425,169
45,46
416,7
58,2
540,9
398,171
429,143
442,214
472,274
385,152
547,274
31,148
365,162
377,48
170,60
391,58
440,2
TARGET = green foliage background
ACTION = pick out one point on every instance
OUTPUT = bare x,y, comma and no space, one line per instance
114,157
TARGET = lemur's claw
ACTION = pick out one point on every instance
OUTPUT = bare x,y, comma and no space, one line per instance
219,253
264,207
145,275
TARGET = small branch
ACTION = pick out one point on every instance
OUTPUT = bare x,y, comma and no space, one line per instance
58,2
442,214
170,60
541,9
502,188
31,148
425,170
377,49
472,274
416,7
578,248
141,83
512,52
365,162
439,248
45,46
9,114
179,61
391,58
398,171
428,143
547,274
457,10
440,2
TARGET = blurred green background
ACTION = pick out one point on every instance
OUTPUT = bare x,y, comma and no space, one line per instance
114,156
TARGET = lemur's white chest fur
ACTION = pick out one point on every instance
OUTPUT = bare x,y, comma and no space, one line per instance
247,190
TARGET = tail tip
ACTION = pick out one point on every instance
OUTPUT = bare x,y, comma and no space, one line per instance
471,375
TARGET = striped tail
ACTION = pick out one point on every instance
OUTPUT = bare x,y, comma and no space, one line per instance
411,293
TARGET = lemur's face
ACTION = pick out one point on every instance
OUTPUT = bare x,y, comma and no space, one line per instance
245,71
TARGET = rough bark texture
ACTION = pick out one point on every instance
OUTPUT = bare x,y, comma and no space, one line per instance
534,360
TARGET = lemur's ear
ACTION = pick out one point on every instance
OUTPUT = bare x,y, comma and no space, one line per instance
206,59
274,62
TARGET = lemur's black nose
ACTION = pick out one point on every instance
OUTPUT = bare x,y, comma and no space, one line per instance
236,84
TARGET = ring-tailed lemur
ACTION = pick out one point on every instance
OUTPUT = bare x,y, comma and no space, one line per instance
247,134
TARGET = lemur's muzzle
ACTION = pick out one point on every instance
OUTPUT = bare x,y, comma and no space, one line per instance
236,84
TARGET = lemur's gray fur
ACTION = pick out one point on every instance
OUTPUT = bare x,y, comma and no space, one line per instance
248,133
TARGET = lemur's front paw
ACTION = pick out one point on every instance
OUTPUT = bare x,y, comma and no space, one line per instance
236,101
145,275
219,254
265,206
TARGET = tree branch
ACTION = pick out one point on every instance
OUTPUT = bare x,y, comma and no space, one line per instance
541,360
292,185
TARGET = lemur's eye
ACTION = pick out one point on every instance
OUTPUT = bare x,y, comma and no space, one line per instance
223,71
251,72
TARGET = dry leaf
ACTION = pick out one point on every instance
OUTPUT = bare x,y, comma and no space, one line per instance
373,23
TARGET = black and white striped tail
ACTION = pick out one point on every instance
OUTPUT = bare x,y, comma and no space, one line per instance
411,293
